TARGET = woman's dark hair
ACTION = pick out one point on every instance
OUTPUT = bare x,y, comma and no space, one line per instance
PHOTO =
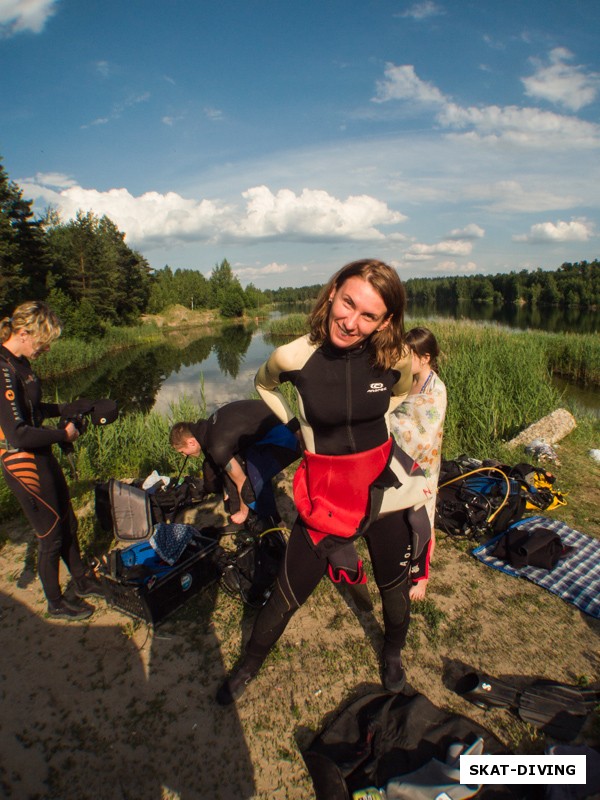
423,343
387,344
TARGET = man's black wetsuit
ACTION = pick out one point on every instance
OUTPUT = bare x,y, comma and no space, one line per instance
32,472
246,430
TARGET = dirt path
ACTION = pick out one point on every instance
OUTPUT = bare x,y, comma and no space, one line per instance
111,710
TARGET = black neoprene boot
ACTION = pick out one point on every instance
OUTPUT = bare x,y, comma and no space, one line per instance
87,586
394,676
235,685
72,612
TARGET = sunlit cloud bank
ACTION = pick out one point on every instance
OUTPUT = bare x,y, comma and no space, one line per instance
312,215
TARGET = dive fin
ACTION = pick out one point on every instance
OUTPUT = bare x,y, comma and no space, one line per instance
486,691
557,709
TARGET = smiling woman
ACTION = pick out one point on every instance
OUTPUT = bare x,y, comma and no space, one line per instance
353,481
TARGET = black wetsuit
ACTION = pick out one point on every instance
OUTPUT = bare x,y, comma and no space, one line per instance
32,472
343,403
238,430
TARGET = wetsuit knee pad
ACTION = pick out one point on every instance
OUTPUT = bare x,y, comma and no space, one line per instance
395,602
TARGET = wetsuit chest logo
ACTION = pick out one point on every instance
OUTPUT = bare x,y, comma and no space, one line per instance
376,387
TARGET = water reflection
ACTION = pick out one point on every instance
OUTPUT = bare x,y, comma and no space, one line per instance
220,367
152,377
545,318
226,374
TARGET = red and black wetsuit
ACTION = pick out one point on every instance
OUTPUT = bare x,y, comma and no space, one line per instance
353,481
32,472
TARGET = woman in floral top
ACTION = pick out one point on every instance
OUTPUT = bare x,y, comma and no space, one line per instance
418,423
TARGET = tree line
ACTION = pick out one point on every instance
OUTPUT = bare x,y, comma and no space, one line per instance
86,271
570,285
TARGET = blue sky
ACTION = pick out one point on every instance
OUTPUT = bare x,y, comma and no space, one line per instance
446,138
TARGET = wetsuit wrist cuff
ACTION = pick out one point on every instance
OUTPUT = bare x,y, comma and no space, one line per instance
293,425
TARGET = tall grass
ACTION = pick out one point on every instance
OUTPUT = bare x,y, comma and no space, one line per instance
70,355
291,325
575,356
498,382
135,444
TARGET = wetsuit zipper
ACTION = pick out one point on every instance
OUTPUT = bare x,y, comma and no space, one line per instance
349,404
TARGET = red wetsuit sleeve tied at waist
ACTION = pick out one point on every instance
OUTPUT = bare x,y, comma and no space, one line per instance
331,493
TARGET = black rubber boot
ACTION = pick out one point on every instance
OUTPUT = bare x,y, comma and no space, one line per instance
235,685
394,676
69,611
88,586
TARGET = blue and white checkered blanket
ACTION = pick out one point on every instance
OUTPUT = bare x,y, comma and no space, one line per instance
575,579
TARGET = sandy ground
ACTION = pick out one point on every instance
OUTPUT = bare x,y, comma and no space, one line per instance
110,709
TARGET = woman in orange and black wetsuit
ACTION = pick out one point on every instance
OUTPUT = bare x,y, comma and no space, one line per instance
348,373
29,467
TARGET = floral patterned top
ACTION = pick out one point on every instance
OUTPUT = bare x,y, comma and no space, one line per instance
418,427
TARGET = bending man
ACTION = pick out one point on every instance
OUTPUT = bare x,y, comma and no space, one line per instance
244,446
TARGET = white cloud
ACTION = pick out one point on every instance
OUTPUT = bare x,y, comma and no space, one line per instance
448,248
423,10
17,16
103,68
402,83
256,273
494,44
54,179
172,120
513,125
511,196
154,218
470,231
452,268
214,114
149,218
527,127
119,108
577,230
565,84
313,215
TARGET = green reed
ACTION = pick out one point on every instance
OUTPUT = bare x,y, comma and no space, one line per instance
575,356
135,444
69,355
291,325
498,382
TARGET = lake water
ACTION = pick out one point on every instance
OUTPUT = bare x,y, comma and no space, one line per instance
219,367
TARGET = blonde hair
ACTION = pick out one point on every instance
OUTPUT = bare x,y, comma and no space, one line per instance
36,318
387,345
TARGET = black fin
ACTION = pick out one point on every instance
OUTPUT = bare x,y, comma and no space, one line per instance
558,709
486,691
